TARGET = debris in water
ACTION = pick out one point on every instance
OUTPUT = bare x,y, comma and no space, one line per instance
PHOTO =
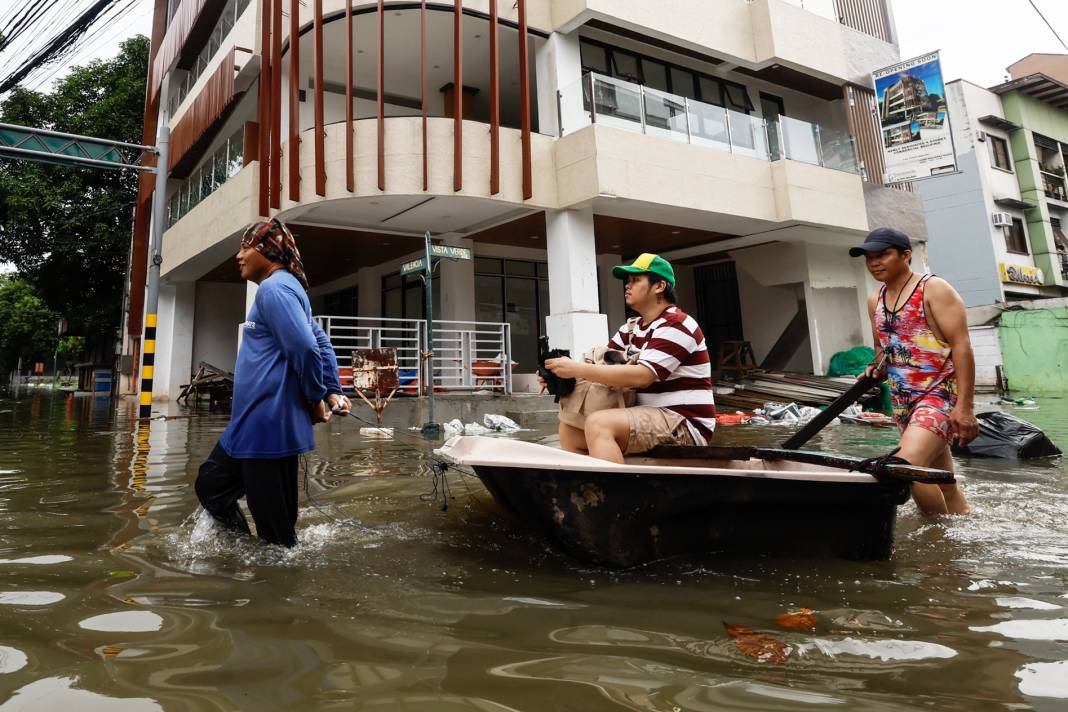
759,646
801,618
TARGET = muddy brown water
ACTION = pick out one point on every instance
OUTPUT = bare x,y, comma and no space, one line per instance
115,595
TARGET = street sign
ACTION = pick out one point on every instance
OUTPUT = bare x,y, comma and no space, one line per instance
453,253
418,265
46,146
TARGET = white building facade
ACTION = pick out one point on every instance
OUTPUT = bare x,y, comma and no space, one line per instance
736,138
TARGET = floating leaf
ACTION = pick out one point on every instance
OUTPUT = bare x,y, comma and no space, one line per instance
759,646
121,573
801,618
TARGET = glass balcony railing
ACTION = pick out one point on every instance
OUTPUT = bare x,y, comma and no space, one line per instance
823,8
633,107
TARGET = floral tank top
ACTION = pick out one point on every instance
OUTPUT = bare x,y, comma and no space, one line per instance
918,364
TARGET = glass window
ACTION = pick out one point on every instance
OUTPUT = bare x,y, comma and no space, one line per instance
487,265
221,166
737,97
235,153
625,65
543,271
241,5
654,74
392,281
186,204
711,90
227,21
1015,238
682,83
521,268
207,177
413,299
489,298
593,58
999,150
391,304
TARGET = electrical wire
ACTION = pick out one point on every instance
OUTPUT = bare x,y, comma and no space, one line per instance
1032,2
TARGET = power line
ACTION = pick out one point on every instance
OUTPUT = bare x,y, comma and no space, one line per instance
1048,24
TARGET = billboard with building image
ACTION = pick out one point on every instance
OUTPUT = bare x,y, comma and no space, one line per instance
913,119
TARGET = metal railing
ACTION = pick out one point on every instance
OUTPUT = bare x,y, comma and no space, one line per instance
598,99
468,355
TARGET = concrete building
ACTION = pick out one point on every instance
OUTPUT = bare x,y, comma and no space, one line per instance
997,228
554,138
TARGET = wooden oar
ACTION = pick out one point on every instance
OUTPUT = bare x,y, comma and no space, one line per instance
862,386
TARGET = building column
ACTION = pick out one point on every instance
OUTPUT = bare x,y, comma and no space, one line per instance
575,322
559,69
174,339
369,291
611,290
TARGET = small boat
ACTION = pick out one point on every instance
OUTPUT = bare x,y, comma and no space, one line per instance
688,500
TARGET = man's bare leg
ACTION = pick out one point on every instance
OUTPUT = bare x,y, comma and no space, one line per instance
607,433
572,439
925,449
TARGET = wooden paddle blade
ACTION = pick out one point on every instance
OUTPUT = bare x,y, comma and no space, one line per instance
802,436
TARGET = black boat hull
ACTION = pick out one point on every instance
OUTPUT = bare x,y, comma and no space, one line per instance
621,520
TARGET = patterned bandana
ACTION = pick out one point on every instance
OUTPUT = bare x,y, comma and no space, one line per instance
273,240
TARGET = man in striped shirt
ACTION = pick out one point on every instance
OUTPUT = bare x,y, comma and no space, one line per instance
672,374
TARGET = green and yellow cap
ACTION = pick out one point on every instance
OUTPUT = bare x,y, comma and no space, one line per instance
647,263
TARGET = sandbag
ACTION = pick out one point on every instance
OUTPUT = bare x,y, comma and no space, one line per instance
1005,436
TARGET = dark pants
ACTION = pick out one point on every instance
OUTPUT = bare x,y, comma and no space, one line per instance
269,486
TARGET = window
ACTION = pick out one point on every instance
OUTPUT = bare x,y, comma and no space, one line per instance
655,74
515,291
403,298
999,151
341,303
1015,238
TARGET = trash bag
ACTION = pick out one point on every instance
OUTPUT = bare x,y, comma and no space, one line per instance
1005,436
851,362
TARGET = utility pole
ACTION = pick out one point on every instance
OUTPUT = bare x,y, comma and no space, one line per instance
430,427
159,218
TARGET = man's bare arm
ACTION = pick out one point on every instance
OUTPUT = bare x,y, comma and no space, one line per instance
617,376
949,317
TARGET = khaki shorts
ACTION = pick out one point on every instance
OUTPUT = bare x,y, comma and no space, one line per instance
651,426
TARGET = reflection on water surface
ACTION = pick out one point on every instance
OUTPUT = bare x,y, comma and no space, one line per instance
116,593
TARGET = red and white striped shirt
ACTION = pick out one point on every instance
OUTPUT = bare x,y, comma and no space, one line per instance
673,347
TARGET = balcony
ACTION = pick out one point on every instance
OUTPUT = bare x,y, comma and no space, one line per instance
633,107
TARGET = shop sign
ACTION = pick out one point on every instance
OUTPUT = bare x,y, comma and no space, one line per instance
914,120
1021,274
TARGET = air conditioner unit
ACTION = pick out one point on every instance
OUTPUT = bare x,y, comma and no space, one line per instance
1002,219
980,135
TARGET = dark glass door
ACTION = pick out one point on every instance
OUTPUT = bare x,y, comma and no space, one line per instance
719,311
772,108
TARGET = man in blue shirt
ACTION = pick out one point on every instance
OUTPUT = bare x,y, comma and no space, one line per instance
285,380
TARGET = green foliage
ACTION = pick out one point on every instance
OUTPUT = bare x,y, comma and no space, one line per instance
67,230
27,325
71,348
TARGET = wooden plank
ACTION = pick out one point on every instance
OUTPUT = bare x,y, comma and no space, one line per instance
458,96
381,95
422,78
524,101
276,105
495,104
294,100
319,139
264,108
350,149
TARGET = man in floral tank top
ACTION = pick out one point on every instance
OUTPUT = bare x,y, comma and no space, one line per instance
919,324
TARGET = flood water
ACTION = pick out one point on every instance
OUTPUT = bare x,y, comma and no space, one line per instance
115,595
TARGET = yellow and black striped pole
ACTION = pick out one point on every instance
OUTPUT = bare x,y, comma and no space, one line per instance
159,217
148,365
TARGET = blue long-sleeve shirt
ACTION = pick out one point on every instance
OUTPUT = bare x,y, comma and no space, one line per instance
285,363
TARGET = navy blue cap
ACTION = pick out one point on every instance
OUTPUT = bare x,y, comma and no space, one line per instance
879,239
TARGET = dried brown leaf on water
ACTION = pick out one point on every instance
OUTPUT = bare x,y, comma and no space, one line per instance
759,646
801,618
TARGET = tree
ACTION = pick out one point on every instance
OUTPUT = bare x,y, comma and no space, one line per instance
67,230
27,325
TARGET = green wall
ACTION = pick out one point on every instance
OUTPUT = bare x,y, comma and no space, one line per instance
1035,116
1034,350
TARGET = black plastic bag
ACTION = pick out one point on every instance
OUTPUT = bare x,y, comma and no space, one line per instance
1005,436
557,387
